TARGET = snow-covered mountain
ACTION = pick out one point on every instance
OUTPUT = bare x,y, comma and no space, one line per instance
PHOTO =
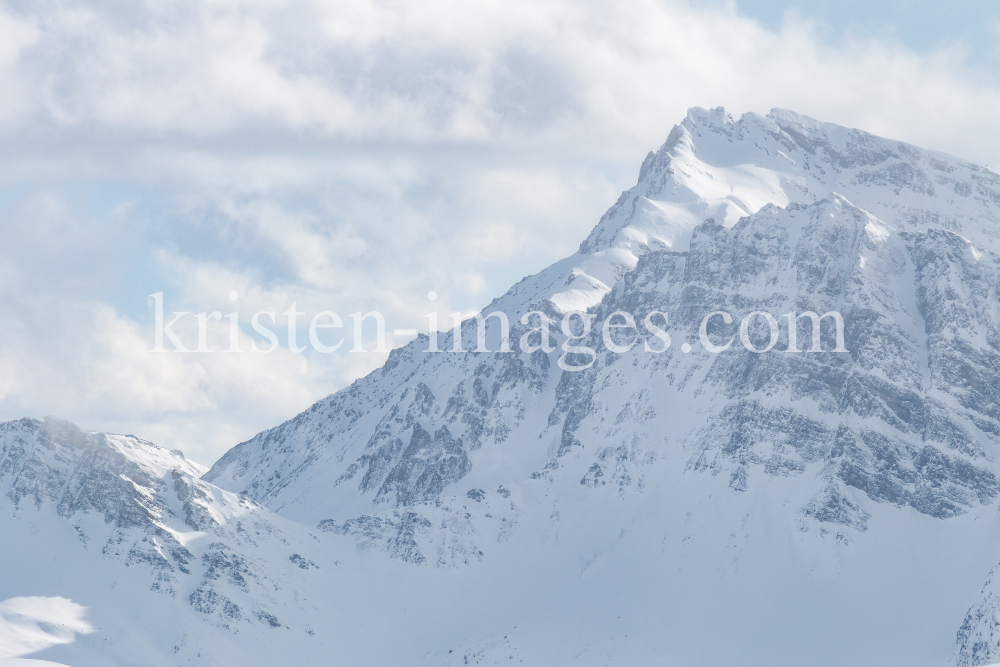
171,567
660,505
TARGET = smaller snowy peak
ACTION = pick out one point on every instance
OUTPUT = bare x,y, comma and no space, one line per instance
153,456
119,477
146,507
44,459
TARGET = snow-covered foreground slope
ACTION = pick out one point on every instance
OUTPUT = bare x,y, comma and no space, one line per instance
685,571
659,507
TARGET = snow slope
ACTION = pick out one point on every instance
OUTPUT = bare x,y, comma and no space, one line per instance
163,566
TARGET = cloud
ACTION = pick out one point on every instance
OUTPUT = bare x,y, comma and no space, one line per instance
355,156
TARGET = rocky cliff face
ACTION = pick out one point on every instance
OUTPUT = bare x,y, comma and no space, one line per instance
144,507
905,415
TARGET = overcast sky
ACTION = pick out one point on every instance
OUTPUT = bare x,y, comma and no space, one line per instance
356,155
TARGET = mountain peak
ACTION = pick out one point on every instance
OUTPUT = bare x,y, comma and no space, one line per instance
717,117
712,166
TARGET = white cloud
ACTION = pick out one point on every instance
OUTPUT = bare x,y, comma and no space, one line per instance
351,156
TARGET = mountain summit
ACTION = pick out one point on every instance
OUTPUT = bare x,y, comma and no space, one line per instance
716,477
